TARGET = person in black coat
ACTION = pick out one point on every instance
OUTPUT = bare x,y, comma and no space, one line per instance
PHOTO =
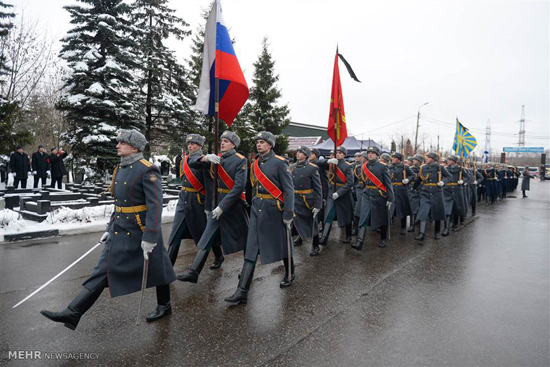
20,167
40,166
57,166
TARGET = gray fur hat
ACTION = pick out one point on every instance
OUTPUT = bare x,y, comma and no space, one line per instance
433,156
410,158
386,157
267,136
419,157
133,138
452,158
398,156
342,150
195,138
304,150
316,152
232,137
374,150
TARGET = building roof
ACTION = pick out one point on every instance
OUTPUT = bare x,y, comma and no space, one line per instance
294,142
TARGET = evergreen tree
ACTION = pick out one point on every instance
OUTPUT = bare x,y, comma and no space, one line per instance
262,111
10,134
165,93
5,26
100,92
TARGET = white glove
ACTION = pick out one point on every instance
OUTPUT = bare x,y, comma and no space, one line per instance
440,183
29,173
213,158
34,172
287,222
316,211
332,161
406,181
475,182
11,174
460,182
207,212
335,196
216,213
147,248
48,172
104,237
388,204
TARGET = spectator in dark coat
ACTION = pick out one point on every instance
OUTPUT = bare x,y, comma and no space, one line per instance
40,166
20,167
57,166
525,184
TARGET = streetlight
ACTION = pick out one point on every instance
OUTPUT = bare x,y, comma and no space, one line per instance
417,124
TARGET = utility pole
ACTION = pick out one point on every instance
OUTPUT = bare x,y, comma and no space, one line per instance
521,141
417,125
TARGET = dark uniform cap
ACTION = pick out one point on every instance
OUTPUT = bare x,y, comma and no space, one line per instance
419,157
133,138
452,158
195,138
398,156
385,156
433,156
374,150
232,137
410,158
267,136
304,150
18,147
316,152
342,150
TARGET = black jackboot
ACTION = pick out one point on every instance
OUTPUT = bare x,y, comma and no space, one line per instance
383,235
360,238
403,229
315,246
355,225
241,295
420,236
413,219
447,225
326,233
164,308
288,282
437,228
218,257
192,275
298,241
173,250
348,234
72,314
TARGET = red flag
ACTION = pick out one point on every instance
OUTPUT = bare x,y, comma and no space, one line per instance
337,130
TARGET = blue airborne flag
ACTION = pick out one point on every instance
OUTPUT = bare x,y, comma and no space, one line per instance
464,142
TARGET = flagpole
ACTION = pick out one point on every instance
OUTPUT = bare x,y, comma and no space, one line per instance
216,138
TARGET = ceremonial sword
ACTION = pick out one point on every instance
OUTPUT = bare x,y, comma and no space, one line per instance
61,273
143,286
289,242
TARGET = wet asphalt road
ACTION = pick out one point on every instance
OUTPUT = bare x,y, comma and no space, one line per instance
477,298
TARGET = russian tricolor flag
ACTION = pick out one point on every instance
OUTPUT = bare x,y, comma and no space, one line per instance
220,61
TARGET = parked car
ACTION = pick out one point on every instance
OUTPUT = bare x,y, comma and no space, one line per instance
533,171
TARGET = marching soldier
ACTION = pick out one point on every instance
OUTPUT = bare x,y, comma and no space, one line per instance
386,159
133,233
473,186
308,198
414,195
314,158
339,199
193,202
400,176
359,185
270,216
409,162
378,196
490,179
229,220
453,195
431,179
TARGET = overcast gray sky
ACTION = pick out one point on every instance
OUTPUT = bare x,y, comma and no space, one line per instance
478,60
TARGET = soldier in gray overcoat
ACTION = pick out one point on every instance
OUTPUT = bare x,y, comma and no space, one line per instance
453,194
228,222
314,158
400,176
431,179
377,198
473,186
270,216
414,194
339,198
194,201
358,187
525,184
308,198
133,233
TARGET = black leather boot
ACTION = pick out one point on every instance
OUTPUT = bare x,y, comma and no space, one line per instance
173,250
241,295
315,246
403,229
455,223
360,239
420,236
72,314
411,227
159,312
192,275
298,241
326,233
355,226
286,281
487,201
348,234
383,235
447,224
218,257
437,228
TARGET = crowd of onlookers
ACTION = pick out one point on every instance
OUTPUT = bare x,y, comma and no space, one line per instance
40,166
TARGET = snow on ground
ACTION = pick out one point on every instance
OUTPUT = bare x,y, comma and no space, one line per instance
89,219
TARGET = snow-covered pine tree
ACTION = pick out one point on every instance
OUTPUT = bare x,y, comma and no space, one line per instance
5,26
262,110
100,91
165,93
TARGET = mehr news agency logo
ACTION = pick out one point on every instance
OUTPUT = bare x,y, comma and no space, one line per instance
41,355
